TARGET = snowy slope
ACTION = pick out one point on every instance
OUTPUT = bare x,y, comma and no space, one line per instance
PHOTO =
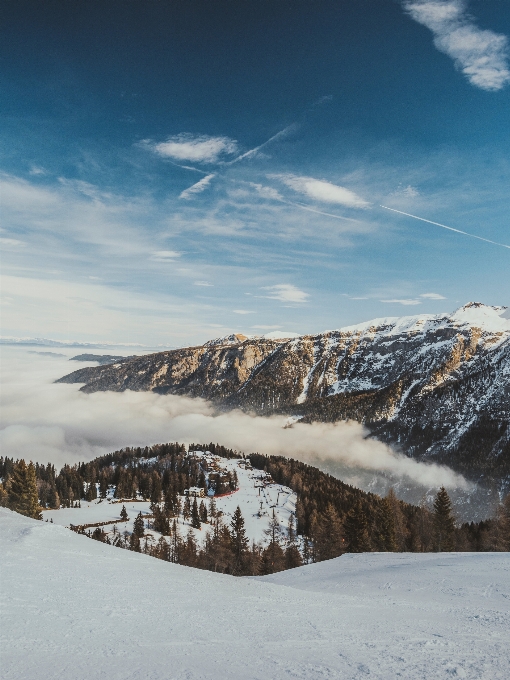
79,609
257,497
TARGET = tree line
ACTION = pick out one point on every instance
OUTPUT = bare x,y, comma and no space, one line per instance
334,517
331,517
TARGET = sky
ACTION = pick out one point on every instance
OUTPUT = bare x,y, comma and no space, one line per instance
173,171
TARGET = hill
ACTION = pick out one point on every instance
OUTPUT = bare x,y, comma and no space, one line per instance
77,608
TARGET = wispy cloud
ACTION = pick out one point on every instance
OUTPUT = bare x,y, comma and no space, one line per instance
321,190
195,148
406,302
197,188
286,292
432,296
165,254
243,311
481,55
205,284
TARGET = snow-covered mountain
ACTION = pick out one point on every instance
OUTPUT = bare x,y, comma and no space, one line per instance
436,386
81,609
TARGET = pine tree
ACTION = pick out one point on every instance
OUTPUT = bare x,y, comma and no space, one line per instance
195,517
212,508
202,511
238,540
273,559
22,490
444,523
139,526
328,535
386,527
356,530
505,522
186,510
123,514
293,557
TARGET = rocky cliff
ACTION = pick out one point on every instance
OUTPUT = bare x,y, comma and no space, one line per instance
437,387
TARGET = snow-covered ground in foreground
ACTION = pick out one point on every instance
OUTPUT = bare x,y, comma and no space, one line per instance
80,609
257,496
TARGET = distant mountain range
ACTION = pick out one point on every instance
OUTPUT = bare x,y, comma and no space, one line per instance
435,386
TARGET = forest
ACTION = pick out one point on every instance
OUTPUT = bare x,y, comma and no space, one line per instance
331,517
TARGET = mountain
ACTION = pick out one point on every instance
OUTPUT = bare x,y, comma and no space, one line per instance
77,608
435,386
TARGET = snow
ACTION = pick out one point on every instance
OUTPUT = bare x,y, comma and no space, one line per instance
256,497
80,609
488,318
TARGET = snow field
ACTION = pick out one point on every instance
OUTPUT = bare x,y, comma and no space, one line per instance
80,609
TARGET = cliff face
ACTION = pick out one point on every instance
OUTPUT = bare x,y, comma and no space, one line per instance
436,386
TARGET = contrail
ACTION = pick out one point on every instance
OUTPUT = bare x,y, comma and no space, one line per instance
438,224
253,152
320,212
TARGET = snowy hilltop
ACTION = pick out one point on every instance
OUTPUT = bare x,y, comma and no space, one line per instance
77,608
437,386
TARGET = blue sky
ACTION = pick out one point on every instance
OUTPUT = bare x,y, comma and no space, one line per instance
175,171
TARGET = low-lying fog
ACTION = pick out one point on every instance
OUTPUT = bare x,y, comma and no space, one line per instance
43,421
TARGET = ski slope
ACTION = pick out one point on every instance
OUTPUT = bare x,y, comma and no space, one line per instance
257,496
80,609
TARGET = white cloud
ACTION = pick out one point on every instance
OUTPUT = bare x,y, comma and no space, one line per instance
267,192
481,55
35,170
286,292
10,242
197,188
242,311
205,284
407,302
432,296
197,148
321,190
165,254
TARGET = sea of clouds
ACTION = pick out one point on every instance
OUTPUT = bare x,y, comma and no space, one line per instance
44,421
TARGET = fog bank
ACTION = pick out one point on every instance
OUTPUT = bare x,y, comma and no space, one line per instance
44,421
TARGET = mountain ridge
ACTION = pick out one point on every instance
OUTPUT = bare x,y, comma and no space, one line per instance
435,386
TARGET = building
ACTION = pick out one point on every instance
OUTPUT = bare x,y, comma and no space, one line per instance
195,491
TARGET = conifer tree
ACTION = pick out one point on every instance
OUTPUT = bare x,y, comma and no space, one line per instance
139,526
273,559
293,557
202,511
238,540
212,508
123,514
505,522
444,523
186,510
195,517
328,535
356,529
22,490
386,527
291,531
134,543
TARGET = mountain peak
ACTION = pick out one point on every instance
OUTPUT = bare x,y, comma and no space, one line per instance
489,317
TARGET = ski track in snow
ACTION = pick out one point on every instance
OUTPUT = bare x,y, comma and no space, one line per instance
79,609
